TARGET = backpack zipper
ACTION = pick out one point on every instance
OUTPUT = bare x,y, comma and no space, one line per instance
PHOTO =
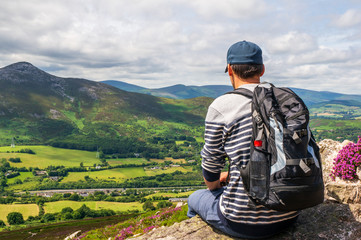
298,114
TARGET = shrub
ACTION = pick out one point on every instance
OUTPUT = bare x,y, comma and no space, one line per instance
148,205
2,224
76,215
48,217
68,215
164,204
66,210
347,161
15,160
15,218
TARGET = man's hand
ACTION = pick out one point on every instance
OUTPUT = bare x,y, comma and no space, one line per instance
223,178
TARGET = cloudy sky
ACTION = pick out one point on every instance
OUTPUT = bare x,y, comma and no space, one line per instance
311,44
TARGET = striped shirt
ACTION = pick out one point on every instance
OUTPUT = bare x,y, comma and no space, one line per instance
228,131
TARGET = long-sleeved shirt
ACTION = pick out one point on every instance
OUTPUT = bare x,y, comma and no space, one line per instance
228,132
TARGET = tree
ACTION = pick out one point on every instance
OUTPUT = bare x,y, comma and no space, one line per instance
15,218
48,217
2,224
66,210
74,197
164,204
148,205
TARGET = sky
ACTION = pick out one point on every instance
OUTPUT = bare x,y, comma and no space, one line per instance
309,44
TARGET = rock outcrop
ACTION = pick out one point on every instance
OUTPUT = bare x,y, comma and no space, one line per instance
339,217
339,190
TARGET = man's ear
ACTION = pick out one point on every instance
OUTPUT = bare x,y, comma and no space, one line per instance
230,71
263,70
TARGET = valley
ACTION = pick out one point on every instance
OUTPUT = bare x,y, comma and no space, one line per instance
102,150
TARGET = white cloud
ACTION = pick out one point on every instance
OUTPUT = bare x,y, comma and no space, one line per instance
292,42
350,18
235,9
323,55
161,43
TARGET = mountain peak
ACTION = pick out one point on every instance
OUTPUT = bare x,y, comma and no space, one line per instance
24,72
22,67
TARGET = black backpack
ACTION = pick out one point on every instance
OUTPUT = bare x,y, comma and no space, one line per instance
284,172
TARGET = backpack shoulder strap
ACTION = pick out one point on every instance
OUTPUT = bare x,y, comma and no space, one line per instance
242,91
248,94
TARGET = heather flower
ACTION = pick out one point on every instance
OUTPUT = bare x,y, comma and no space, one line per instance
347,162
148,229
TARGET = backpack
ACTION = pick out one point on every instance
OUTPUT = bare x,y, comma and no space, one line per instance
284,172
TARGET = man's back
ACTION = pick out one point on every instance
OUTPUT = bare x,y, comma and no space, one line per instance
228,133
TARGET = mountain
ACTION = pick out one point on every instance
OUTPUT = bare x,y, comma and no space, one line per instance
124,86
40,108
180,91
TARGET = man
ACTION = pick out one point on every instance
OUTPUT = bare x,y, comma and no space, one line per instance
228,133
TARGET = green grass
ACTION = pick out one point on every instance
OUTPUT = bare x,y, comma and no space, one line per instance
121,174
46,156
71,115
53,207
24,186
168,170
123,161
25,209
170,195
116,174
329,124
22,177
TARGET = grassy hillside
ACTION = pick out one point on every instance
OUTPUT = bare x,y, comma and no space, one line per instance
54,207
336,129
25,209
47,155
39,108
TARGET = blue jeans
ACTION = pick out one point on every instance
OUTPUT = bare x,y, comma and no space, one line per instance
205,203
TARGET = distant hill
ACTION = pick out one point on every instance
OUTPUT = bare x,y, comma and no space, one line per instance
180,91
124,86
40,108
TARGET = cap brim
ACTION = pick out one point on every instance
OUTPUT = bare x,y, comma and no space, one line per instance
226,69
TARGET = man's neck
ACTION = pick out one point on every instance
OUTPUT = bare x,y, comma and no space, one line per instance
241,81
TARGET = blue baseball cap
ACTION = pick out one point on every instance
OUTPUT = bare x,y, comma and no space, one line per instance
244,53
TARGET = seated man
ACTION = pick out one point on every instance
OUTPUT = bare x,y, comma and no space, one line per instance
228,133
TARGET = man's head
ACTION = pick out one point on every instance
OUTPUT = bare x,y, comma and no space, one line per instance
245,59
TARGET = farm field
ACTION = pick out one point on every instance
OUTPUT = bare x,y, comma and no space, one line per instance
120,174
328,124
25,209
170,195
175,161
53,207
46,156
22,177
116,174
168,170
123,161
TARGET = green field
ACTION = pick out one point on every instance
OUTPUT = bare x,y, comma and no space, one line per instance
22,177
124,161
168,170
121,174
25,209
170,195
46,156
53,207
329,124
116,174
